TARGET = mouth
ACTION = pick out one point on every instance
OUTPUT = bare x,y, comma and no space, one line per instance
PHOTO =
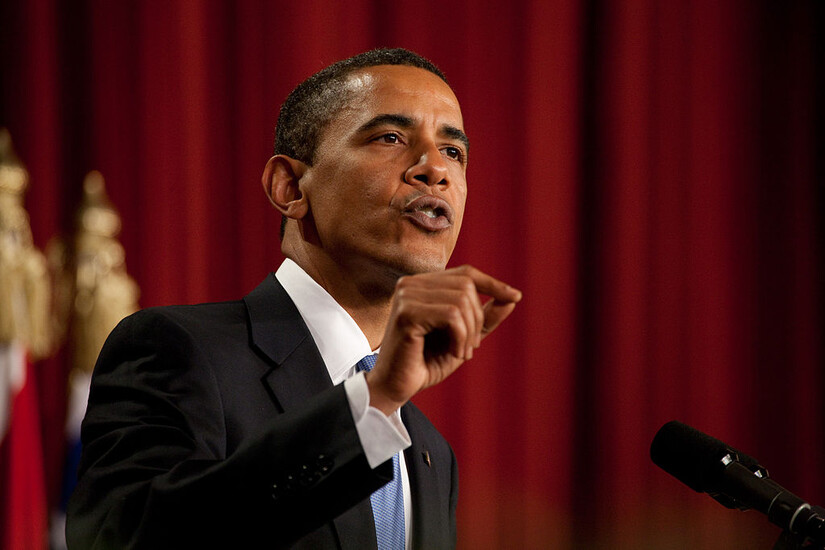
429,213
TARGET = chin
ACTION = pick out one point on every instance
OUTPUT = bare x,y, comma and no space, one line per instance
412,263
388,270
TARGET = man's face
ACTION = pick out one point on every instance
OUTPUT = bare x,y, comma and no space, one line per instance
387,186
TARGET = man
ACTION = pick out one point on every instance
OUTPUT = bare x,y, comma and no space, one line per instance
247,424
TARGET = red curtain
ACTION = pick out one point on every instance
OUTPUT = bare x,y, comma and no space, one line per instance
645,171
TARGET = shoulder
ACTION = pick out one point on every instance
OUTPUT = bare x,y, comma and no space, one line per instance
220,333
202,320
158,325
191,317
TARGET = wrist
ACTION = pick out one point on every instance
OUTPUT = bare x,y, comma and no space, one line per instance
379,397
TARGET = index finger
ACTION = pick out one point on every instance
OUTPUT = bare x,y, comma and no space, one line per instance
487,284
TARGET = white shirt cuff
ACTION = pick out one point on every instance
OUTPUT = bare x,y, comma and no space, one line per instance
381,436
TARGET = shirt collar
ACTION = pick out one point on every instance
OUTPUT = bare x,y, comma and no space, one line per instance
338,338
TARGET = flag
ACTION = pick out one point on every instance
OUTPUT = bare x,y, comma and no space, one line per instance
23,506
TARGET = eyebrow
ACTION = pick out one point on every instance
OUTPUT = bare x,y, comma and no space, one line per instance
405,122
455,133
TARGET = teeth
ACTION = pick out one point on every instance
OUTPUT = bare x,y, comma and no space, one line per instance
429,211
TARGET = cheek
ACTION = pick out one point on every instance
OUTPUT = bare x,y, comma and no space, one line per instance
352,201
459,202
329,190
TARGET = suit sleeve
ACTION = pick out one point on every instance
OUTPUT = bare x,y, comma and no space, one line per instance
453,499
155,471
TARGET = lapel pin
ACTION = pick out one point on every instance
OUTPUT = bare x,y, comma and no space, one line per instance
426,455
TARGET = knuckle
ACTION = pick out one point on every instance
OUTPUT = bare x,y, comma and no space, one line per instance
454,313
404,317
468,286
404,309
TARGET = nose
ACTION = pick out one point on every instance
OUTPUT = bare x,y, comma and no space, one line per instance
430,169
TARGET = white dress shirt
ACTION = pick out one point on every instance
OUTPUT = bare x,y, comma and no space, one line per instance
342,344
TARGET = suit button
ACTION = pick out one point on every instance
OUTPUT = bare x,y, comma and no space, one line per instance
308,477
324,463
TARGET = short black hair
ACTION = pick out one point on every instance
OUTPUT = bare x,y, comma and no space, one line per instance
316,101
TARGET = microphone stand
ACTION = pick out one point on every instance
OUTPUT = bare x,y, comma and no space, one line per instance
791,541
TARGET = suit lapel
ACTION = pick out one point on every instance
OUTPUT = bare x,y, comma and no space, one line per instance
356,528
427,510
278,331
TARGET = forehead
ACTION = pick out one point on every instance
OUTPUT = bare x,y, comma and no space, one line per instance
400,89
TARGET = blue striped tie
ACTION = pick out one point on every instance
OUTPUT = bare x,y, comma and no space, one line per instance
388,501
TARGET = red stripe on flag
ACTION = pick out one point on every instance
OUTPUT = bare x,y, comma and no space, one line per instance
23,507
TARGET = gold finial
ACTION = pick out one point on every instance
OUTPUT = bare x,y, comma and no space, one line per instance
13,176
25,297
104,292
97,216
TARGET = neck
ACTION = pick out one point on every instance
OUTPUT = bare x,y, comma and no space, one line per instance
365,292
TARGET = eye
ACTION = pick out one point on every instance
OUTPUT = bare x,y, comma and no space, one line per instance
390,137
454,153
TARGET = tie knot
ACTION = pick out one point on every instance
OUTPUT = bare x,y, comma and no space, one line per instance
366,363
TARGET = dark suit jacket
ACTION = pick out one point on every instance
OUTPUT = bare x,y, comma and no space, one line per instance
217,426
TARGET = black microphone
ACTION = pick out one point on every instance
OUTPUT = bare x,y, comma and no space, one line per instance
736,480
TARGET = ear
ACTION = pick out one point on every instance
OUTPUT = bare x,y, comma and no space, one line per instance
280,181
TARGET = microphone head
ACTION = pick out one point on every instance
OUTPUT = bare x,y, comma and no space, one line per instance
687,454
693,457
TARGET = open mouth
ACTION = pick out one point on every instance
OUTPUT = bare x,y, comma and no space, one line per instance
432,212
429,213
